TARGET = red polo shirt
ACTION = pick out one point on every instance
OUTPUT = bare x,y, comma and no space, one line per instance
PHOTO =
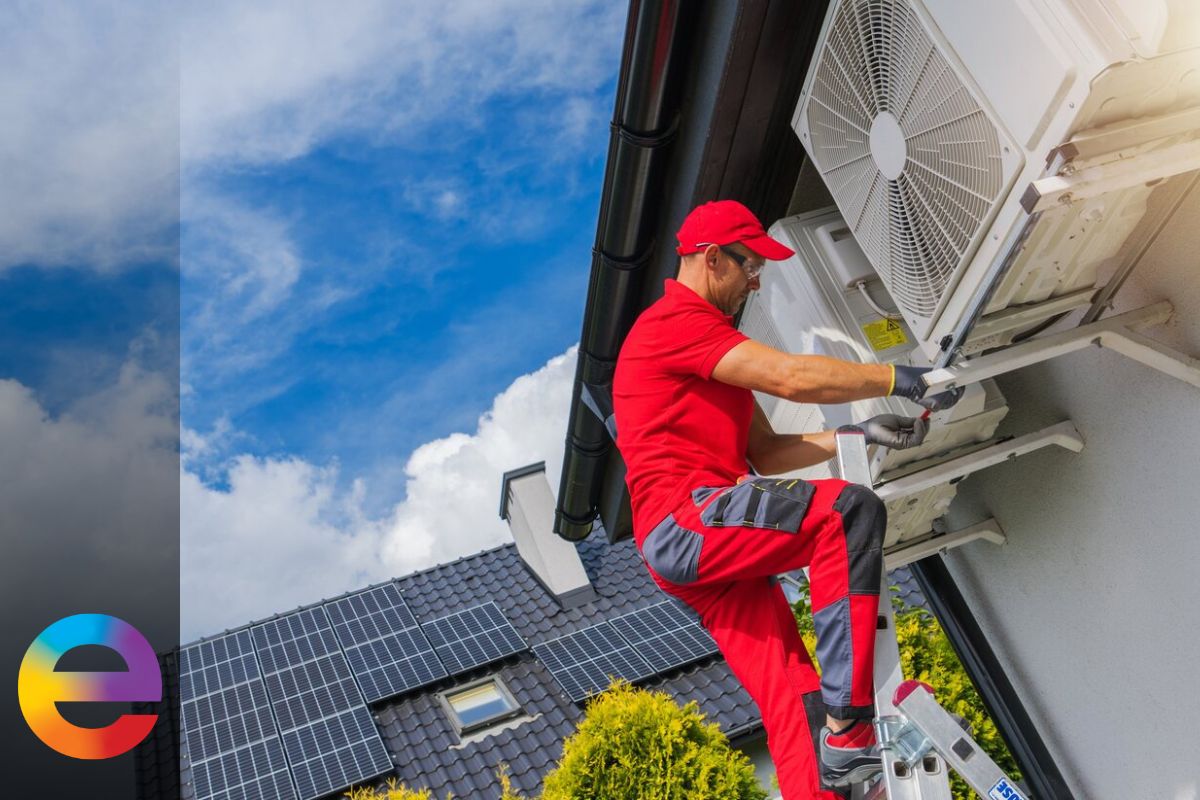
678,429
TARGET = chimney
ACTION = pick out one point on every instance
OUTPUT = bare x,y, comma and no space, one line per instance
527,504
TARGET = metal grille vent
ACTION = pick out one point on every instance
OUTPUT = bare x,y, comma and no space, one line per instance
912,160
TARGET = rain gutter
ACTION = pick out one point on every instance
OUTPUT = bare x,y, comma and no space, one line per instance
644,125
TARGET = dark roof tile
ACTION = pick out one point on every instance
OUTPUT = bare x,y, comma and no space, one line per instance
907,588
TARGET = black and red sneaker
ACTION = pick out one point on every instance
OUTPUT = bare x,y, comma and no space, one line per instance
850,756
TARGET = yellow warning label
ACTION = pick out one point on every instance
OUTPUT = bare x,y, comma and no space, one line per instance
884,334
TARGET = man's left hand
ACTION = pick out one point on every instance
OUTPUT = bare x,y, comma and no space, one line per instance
894,431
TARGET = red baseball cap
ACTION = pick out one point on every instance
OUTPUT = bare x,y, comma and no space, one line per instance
727,222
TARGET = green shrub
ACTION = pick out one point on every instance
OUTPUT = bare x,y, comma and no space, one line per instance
926,655
635,744
394,791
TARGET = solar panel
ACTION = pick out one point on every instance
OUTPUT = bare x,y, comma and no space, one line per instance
328,734
585,661
478,635
665,634
387,650
228,733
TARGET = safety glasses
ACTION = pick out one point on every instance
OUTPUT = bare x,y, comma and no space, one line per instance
752,269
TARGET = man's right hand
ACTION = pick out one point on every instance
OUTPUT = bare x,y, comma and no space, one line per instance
895,432
910,382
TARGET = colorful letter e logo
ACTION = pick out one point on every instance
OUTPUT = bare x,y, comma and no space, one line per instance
39,687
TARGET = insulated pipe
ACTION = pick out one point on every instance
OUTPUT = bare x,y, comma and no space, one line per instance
643,127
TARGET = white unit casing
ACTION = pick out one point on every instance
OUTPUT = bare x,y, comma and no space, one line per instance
930,119
808,304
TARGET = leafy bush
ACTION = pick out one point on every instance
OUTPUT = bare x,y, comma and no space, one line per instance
640,745
396,791
926,655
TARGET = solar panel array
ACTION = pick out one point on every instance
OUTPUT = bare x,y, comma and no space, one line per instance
472,637
305,711
665,634
328,734
584,662
231,740
387,650
279,711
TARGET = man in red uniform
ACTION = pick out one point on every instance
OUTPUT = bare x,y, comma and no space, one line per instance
714,532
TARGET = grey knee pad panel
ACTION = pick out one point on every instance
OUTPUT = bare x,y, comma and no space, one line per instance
673,551
864,518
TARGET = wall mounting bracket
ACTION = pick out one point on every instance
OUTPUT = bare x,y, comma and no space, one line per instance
1118,333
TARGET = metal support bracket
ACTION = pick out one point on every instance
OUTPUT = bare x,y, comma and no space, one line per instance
996,330
1061,434
1099,142
907,552
1152,165
1118,333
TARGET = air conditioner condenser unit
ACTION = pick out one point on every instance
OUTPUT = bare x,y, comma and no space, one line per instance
930,121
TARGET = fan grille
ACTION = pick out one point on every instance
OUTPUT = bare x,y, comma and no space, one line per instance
917,227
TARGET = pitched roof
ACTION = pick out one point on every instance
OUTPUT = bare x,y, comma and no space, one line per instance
424,746
427,750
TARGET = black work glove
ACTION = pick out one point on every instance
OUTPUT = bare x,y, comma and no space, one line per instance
910,383
896,432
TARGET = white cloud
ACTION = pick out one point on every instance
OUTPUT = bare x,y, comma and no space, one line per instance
265,81
240,267
280,536
89,133
242,256
281,533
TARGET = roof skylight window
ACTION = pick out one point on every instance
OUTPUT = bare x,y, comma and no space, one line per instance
480,704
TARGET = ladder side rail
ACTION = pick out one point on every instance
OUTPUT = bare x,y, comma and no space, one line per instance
930,780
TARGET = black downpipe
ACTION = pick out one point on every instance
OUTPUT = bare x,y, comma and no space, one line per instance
1003,704
643,127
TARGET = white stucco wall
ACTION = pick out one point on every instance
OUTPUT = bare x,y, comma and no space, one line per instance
1092,603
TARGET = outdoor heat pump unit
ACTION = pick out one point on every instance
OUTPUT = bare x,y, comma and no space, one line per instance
813,304
995,158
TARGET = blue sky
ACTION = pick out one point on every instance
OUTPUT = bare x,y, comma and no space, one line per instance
380,222
426,277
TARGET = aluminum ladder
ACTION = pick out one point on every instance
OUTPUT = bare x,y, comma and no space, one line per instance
917,736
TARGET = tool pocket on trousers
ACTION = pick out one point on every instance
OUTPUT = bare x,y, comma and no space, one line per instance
779,503
673,551
699,496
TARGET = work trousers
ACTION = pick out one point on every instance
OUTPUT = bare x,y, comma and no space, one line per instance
719,552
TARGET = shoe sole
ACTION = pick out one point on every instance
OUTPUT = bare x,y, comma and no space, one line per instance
856,775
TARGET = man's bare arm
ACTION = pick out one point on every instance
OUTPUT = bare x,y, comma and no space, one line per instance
772,453
801,378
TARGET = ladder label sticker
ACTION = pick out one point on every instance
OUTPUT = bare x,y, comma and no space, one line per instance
884,334
1003,790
